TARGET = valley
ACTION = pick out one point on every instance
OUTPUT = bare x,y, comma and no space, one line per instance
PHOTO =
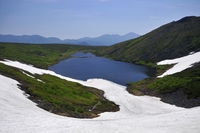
155,103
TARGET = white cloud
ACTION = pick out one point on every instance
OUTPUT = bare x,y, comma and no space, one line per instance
153,17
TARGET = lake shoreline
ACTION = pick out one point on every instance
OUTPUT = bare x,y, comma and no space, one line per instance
85,66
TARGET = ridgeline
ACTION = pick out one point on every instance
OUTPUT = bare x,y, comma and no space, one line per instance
169,41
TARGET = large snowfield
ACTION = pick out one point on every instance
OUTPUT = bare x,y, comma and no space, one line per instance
138,114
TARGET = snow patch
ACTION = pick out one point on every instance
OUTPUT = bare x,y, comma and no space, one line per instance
180,63
27,74
31,76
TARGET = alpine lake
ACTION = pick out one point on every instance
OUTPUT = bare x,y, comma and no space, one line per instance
83,66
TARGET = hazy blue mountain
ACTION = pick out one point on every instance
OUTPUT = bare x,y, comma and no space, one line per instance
28,39
106,39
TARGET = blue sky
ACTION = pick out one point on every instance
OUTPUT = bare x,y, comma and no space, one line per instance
69,19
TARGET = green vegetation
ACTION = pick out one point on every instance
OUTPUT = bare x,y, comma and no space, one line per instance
60,96
41,55
188,80
168,84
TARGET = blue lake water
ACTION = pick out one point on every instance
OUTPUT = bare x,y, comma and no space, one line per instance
85,66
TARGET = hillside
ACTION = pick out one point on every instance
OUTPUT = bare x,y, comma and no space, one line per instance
173,40
170,41
180,89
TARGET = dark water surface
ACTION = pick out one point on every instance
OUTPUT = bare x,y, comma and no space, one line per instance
84,66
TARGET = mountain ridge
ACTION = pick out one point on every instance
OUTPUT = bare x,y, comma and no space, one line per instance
106,39
172,40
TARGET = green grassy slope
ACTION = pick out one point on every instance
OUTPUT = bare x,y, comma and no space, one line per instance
187,81
53,94
172,40
40,55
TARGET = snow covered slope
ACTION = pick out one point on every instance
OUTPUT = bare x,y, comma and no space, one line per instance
180,63
136,115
